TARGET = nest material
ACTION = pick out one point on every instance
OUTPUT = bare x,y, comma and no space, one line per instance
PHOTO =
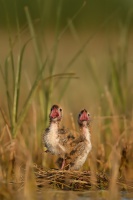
70,180
76,180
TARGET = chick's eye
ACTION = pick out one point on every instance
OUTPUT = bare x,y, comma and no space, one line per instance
79,114
88,114
60,109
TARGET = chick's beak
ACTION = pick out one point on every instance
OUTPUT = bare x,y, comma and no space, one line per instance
54,113
84,116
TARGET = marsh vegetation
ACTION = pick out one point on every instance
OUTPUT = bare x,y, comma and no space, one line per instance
89,68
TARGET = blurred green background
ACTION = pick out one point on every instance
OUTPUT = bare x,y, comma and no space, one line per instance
93,12
92,39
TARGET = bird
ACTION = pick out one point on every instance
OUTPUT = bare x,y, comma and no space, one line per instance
81,146
56,139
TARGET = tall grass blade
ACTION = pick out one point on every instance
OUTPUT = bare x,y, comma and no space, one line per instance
36,48
115,80
33,35
9,102
10,42
17,86
72,19
58,14
2,73
29,99
12,64
61,75
4,117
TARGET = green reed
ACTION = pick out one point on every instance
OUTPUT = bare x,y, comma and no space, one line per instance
12,73
117,73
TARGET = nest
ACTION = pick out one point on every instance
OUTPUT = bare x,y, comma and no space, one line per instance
70,180
76,180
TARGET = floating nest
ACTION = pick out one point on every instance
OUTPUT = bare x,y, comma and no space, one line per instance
74,180
70,180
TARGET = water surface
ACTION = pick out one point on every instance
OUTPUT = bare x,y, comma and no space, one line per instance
86,195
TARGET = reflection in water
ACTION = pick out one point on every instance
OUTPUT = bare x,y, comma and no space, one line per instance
86,195
58,195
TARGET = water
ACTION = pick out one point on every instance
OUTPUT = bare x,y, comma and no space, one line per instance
86,195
